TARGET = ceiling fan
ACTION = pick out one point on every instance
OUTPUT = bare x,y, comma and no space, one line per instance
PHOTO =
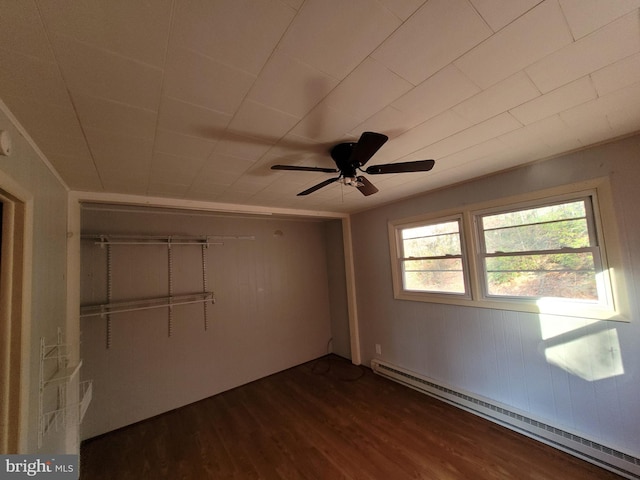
351,157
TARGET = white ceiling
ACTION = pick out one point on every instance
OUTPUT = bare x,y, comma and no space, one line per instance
197,99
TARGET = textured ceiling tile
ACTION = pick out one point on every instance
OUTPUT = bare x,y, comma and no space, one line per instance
115,117
624,121
603,47
442,91
437,34
79,173
261,122
618,75
245,185
535,133
438,128
172,170
177,144
116,151
296,4
469,137
291,86
367,90
499,13
132,183
325,124
619,100
168,162
92,71
214,182
390,121
523,153
199,80
407,185
54,128
402,8
239,33
585,16
293,144
556,101
25,76
291,182
248,148
136,30
172,190
21,30
336,36
232,197
472,155
531,37
192,120
44,118
61,144
218,163
206,193
497,99
591,130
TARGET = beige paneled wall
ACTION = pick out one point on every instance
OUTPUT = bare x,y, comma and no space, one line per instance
272,309
502,355
26,175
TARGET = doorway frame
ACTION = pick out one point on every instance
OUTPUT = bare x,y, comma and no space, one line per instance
15,325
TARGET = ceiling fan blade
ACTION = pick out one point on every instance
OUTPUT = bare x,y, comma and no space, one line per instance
401,167
318,186
367,146
367,188
300,168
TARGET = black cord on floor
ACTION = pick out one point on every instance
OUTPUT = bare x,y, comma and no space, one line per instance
329,365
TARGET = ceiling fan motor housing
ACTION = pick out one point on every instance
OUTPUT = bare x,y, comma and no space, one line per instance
341,154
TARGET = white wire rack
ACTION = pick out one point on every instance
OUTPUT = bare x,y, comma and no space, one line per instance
55,375
111,307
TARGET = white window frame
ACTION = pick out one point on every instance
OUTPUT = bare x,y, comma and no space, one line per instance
400,258
613,302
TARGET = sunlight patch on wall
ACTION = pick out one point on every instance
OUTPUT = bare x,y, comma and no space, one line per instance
555,325
592,357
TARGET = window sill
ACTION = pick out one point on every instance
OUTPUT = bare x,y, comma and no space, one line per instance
548,306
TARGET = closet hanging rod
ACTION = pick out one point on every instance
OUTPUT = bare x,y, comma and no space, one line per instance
121,242
147,304
104,239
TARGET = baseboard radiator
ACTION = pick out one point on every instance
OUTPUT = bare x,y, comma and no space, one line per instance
618,462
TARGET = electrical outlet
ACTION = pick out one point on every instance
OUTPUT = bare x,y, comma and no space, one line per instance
378,349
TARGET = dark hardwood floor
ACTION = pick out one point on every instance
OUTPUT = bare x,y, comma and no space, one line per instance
326,419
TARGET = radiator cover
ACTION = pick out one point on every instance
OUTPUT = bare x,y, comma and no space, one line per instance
611,459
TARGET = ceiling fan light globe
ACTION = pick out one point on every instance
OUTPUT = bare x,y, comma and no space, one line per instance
352,181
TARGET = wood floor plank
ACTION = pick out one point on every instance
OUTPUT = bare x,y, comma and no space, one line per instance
326,419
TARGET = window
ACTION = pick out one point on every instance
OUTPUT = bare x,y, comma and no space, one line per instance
542,252
431,258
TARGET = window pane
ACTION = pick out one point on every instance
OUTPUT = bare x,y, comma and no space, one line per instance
541,236
441,275
431,240
548,213
429,230
556,275
436,246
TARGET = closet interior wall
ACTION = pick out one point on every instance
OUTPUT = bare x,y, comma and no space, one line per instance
272,308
